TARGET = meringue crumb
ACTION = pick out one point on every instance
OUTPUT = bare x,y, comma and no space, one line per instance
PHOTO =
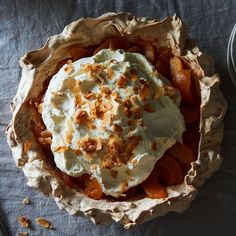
43,223
26,201
24,221
23,234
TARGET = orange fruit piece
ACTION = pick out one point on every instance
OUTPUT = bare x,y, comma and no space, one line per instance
182,81
183,154
163,62
93,188
176,65
170,171
152,186
191,115
148,50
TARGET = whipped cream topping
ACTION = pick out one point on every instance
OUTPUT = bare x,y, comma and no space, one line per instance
112,116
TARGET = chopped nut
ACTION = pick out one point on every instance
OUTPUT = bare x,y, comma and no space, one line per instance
81,117
110,73
116,97
133,75
90,145
123,186
117,128
23,234
44,223
77,152
107,117
105,90
101,77
133,142
106,106
40,108
26,201
121,82
46,133
69,67
45,141
57,94
148,108
127,112
61,149
26,146
77,94
24,222
89,95
69,131
144,92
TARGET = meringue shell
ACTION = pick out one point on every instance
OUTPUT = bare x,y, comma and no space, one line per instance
38,65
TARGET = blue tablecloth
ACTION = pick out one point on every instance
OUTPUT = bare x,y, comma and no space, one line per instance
26,24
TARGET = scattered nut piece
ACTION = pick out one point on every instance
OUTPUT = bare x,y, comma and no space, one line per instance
61,149
81,117
46,133
40,108
44,223
121,82
26,201
24,222
89,95
77,152
23,234
144,92
110,73
133,74
69,68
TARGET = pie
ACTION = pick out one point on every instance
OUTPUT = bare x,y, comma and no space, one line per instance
118,118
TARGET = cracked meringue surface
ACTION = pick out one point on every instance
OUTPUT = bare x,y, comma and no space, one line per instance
110,116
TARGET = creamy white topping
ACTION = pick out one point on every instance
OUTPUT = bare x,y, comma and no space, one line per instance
110,116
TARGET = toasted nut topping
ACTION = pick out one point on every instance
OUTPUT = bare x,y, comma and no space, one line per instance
116,97
81,117
40,108
24,222
133,142
148,107
77,152
23,234
101,76
123,186
26,146
57,93
77,94
117,128
26,201
133,74
110,73
107,117
89,95
121,82
45,141
69,67
127,112
61,149
69,131
154,146
46,133
113,173
144,92
105,90
43,223
91,145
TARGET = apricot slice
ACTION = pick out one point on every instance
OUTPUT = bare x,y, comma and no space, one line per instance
152,186
134,48
93,188
191,115
170,171
163,62
183,154
148,50
182,81
176,65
